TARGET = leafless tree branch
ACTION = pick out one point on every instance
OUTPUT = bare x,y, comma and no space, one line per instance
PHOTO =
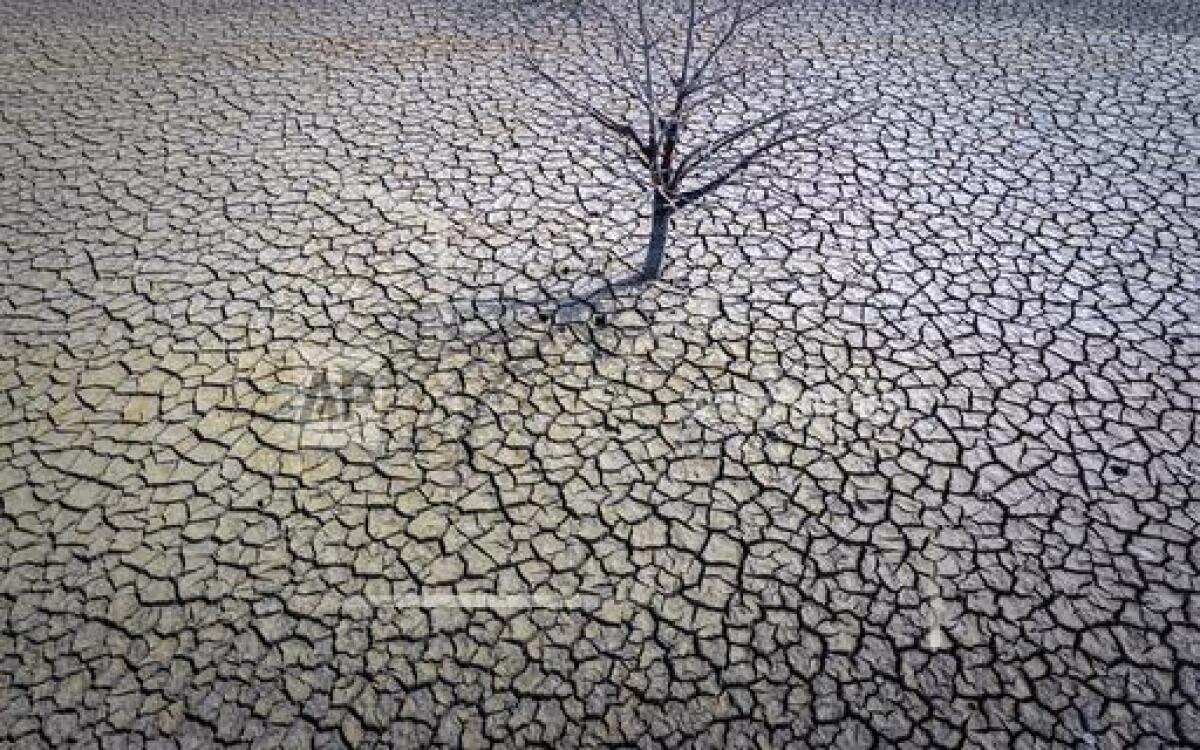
683,70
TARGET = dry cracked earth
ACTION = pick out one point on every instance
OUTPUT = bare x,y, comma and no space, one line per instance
900,452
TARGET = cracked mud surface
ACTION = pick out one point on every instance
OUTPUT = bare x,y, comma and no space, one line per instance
904,454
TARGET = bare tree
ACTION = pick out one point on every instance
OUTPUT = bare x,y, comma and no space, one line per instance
678,90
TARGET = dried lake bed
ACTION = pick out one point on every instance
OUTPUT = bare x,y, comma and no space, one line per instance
901,450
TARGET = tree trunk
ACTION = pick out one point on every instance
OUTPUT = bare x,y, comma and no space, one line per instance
659,227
